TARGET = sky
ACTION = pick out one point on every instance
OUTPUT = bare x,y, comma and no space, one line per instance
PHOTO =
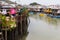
43,2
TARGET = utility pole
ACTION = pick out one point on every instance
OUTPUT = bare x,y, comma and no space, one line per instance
0,5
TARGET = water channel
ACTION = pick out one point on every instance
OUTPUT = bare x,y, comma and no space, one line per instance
43,28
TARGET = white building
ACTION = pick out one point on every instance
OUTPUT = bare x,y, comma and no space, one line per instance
54,6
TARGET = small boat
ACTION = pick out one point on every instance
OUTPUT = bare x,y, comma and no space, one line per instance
41,14
54,16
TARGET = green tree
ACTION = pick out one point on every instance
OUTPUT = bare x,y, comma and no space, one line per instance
34,3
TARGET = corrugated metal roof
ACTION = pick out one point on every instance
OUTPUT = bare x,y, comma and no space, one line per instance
8,1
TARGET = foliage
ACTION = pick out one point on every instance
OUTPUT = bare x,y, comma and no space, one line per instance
7,21
34,3
24,11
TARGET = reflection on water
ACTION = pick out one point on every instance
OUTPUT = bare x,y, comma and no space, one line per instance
43,28
52,21
48,20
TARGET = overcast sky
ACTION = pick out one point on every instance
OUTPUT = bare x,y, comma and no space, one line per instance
44,2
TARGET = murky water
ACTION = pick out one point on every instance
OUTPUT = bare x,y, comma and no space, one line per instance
43,28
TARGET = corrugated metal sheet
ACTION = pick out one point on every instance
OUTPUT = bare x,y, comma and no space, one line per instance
8,1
